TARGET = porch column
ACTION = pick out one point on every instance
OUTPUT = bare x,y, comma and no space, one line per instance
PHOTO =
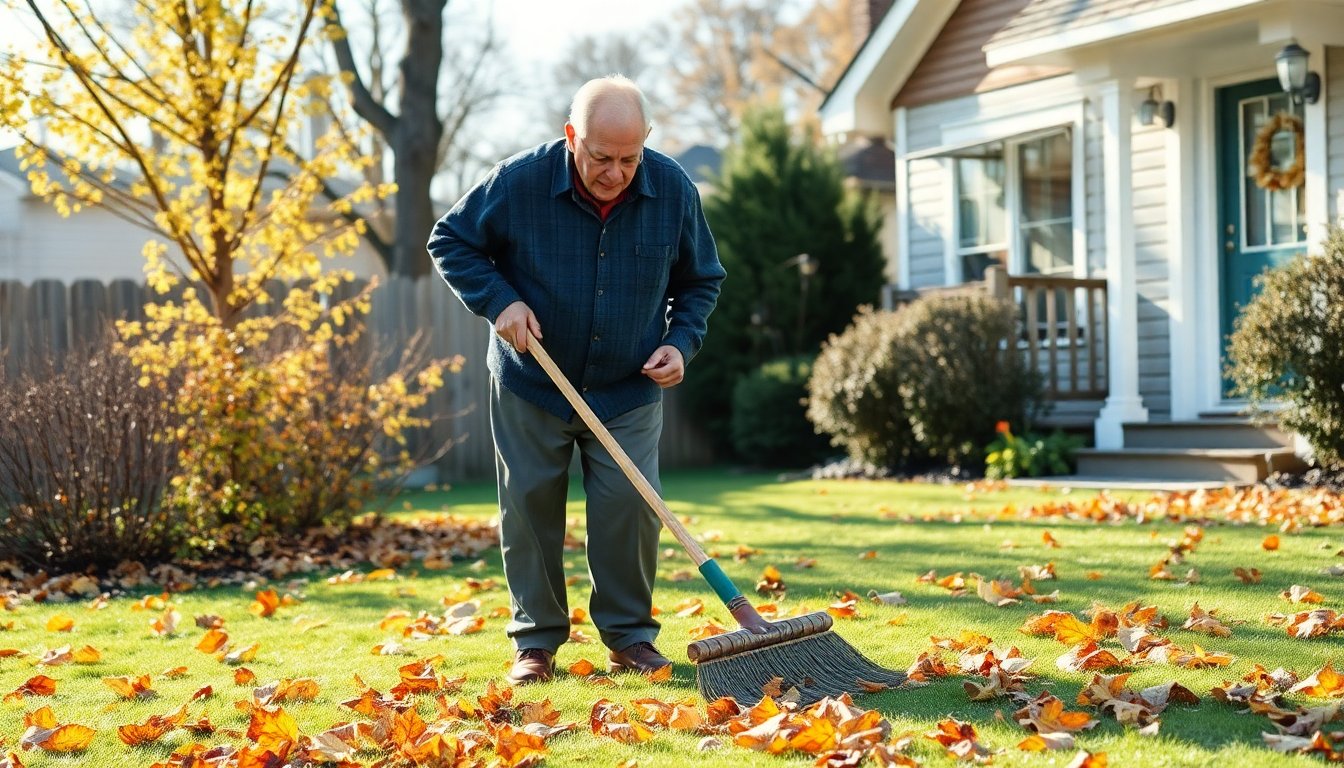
1124,404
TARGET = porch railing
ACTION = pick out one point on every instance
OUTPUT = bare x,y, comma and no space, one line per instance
1062,333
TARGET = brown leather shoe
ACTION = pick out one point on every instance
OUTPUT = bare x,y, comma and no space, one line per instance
640,657
532,665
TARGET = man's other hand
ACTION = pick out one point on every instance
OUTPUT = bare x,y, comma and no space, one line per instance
513,325
665,366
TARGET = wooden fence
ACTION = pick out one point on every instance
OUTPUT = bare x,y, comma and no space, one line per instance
49,317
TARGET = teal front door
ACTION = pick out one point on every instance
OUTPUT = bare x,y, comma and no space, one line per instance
1257,228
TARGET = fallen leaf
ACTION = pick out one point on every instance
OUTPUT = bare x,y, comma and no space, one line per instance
60,623
1271,543
1300,594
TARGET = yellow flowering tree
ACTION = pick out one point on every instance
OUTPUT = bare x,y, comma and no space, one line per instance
179,116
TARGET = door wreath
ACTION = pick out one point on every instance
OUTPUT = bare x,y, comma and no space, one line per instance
1261,165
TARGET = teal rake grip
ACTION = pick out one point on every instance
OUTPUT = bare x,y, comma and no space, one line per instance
719,581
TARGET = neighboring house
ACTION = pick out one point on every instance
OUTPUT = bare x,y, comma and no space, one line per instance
37,243
1032,135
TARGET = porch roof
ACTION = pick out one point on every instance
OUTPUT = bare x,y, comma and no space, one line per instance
1053,26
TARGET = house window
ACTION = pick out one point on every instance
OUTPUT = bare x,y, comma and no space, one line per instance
1045,216
1015,205
982,212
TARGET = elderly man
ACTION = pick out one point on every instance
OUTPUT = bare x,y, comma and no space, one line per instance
597,246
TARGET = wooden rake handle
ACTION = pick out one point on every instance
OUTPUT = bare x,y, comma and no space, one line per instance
627,466
746,615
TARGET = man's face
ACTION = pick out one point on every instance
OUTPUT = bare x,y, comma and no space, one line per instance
608,156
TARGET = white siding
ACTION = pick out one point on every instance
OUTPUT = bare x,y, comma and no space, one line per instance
930,222
1334,127
1151,273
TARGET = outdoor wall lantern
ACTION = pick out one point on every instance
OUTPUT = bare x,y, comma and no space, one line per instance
1154,108
1301,84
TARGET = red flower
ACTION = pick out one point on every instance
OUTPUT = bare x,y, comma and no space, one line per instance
1001,427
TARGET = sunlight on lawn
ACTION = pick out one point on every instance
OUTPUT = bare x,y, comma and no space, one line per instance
941,581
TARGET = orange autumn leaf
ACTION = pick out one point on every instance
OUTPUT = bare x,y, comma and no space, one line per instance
60,623
1247,576
151,730
578,616
1087,657
212,641
165,625
1271,543
87,655
1085,759
243,676
543,712
691,607
65,738
37,685
1298,593
272,728
868,555
1094,575
1048,539
132,687
518,747
1323,683
708,629
1046,714
1202,659
659,675
241,655
1204,621
1040,742
721,710
581,668
959,739
844,609
203,693
266,604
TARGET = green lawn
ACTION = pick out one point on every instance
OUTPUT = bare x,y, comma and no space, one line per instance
330,634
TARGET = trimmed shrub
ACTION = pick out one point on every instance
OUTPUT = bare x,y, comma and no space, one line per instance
769,423
1286,347
924,384
86,459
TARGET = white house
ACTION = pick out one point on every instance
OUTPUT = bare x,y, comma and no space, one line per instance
37,243
1109,139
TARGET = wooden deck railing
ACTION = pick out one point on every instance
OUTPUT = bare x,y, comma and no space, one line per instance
1064,332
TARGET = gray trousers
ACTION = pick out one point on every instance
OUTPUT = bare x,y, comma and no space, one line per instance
533,452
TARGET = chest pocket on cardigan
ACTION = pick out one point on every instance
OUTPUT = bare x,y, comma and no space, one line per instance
652,266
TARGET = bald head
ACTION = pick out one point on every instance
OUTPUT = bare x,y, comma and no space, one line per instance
613,100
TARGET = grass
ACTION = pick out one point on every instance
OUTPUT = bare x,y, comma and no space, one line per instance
831,521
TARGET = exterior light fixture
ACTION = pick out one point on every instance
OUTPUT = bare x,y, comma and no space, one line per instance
1154,108
1301,84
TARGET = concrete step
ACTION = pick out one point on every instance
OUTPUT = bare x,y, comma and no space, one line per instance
1233,465
1207,433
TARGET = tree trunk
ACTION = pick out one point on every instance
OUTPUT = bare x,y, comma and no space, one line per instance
415,140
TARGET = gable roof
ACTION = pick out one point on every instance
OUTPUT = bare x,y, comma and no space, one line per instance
860,101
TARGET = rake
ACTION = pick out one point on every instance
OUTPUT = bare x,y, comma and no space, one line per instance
801,651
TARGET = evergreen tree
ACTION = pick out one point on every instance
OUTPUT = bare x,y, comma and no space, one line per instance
780,196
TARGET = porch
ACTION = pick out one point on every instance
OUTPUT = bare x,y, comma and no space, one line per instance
1064,334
